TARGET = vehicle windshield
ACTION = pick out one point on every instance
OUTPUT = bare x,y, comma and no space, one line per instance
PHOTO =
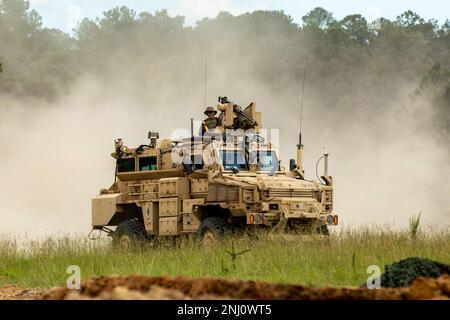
266,160
233,160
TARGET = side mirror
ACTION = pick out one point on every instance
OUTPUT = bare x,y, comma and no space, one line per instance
153,136
292,165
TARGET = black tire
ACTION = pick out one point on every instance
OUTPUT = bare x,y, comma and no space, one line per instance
213,227
131,231
324,230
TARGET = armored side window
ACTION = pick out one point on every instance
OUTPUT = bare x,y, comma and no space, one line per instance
234,159
148,163
125,165
197,160
266,160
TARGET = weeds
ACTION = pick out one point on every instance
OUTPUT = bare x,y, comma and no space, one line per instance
342,261
354,264
233,255
414,224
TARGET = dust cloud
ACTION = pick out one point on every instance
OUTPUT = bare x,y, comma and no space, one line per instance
56,156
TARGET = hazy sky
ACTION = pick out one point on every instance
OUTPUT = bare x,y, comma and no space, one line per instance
64,14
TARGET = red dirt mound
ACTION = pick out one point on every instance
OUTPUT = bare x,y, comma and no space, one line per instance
144,287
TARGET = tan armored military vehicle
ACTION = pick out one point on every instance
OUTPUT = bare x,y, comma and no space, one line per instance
225,180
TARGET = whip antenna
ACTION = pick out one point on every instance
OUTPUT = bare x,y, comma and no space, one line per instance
206,76
300,102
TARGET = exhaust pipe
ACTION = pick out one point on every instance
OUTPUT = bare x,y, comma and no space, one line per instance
325,162
328,179
300,157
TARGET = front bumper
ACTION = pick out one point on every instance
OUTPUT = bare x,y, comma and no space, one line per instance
288,208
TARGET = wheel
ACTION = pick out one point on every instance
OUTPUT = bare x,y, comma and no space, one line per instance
316,227
129,233
324,230
212,229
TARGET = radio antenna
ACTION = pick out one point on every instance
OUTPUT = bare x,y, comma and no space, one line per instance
300,103
206,76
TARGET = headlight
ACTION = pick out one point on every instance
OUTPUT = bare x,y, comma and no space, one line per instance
255,218
263,207
273,206
332,219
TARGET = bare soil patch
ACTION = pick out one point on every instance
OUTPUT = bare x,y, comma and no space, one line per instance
145,287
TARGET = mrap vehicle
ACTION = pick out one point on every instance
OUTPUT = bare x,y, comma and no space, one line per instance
210,184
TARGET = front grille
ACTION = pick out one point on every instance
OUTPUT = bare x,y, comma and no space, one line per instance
291,193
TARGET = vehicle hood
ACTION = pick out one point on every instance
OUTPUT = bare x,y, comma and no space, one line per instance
264,182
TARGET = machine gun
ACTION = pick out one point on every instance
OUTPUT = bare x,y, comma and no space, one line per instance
243,120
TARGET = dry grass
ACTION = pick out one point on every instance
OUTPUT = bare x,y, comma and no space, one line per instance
341,261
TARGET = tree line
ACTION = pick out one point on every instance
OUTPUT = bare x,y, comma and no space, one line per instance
349,59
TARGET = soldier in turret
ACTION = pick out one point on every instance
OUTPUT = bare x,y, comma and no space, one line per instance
212,122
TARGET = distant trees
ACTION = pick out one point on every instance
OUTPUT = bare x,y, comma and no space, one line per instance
318,18
37,60
356,29
436,84
347,57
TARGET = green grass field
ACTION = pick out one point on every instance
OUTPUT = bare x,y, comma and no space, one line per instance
342,261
